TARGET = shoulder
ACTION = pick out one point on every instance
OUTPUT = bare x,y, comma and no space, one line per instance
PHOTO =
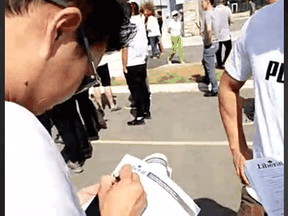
262,18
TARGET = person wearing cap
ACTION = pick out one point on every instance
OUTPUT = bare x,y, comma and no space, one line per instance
52,47
174,29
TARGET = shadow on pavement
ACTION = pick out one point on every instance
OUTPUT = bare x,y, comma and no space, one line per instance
210,207
202,86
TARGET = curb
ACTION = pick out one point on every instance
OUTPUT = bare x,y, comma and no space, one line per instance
172,88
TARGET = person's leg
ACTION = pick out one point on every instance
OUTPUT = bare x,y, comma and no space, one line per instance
160,44
180,48
63,117
228,47
87,111
209,57
173,48
219,56
96,98
109,96
137,95
145,92
103,72
153,42
249,206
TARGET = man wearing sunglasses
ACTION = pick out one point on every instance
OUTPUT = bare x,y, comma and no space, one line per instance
51,46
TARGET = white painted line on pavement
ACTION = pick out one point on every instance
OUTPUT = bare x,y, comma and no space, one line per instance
177,143
180,87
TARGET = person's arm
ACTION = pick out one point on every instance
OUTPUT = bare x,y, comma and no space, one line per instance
208,30
86,194
231,115
124,59
230,17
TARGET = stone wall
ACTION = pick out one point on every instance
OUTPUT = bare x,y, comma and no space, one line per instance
191,17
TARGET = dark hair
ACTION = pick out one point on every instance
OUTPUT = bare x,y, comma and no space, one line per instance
134,8
117,27
159,13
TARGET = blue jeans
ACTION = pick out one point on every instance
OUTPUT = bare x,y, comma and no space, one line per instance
153,42
209,65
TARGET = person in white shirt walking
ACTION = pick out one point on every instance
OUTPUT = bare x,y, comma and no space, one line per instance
224,37
259,52
174,29
135,67
153,29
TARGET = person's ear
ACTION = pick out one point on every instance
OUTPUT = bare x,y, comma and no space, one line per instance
64,22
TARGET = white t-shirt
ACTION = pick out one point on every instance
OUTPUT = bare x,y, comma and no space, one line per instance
175,27
153,26
138,46
36,176
260,52
224,13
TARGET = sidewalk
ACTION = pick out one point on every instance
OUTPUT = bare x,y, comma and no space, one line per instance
238,19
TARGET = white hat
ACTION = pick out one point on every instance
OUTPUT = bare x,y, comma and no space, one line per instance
175,12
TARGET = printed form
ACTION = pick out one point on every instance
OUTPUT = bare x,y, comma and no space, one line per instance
266,177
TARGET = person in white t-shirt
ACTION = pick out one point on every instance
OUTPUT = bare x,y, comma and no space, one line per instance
224,37
152,29
174,29
259,52
135,67
52,48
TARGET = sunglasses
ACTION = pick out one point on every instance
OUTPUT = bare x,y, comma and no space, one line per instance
94,79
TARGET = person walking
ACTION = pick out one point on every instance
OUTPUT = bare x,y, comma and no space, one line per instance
263,60
224,37
209,32
174,29
152,29
135,68
252,7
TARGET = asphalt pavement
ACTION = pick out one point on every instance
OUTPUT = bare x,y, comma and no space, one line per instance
186,127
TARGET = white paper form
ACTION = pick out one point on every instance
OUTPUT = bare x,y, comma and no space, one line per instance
164,197
266,176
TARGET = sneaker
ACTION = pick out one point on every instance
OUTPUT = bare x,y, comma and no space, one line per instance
117,108
182,62
154,57
211,94
75,167
137,121
169,61
147,115
129,107
58,139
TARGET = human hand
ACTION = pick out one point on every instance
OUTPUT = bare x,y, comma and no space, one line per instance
125,70
239,158
124,198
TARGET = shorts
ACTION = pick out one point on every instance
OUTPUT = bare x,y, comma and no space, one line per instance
103,72
249,206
